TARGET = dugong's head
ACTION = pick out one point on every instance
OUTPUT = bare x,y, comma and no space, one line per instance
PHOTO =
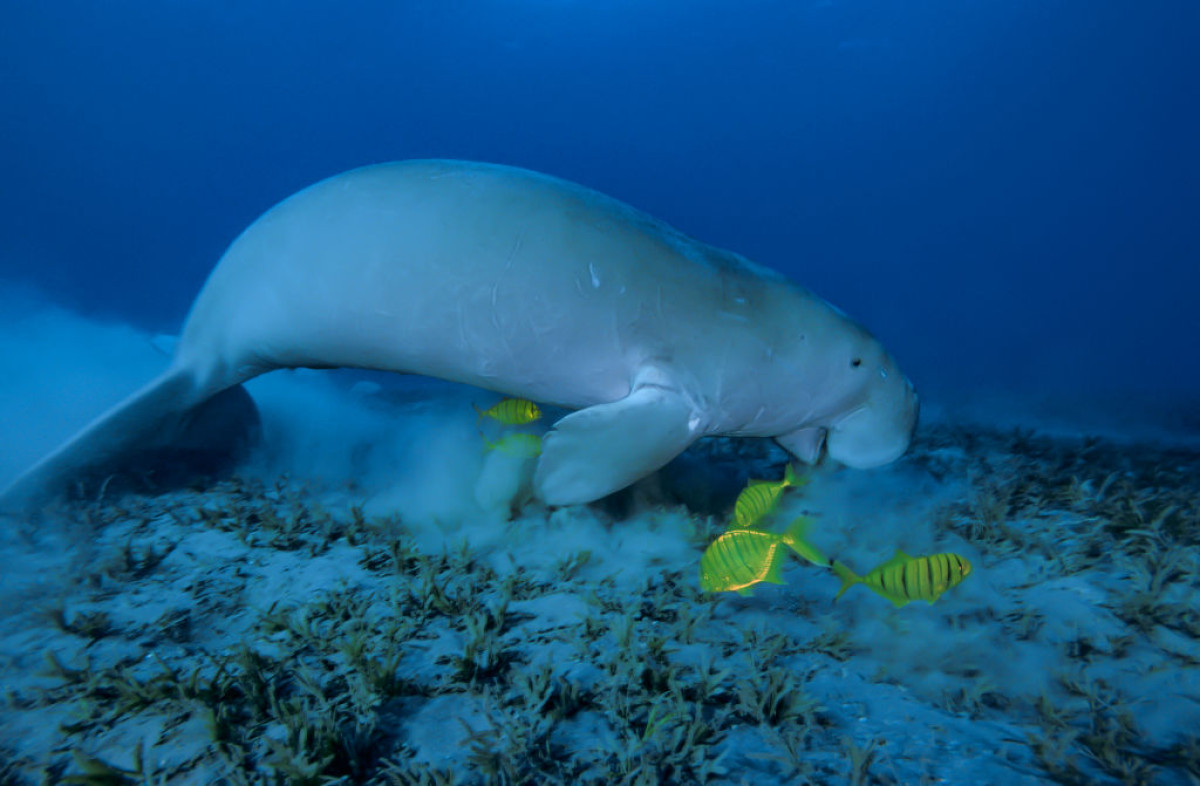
865,410
876,431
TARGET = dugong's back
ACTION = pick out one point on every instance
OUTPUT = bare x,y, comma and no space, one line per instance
527,276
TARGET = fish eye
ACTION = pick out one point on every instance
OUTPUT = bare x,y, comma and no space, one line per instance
856,362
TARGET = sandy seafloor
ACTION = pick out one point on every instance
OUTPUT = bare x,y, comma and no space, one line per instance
355,605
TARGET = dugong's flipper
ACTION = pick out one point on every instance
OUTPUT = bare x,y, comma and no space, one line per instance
602,449
170,413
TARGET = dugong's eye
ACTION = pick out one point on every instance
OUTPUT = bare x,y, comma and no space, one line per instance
856,362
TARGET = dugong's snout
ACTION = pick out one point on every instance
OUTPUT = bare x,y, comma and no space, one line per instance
879,430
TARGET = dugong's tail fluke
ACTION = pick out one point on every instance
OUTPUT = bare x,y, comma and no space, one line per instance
150,419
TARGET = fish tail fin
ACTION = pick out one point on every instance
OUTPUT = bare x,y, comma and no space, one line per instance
481,414
792,479
849,578
487,442
798,530
796,537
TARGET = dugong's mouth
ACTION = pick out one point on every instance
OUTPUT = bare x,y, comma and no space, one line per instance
874,432
806,444
877,432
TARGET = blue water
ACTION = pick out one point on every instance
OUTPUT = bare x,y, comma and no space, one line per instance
1004,191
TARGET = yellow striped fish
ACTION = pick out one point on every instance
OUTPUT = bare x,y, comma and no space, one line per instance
758,500
525,446
903,579
741,558
511,411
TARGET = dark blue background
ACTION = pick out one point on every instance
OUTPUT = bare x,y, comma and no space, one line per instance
1004,190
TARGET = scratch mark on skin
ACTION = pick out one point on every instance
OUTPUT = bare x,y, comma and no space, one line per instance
462,327
516,247
614,328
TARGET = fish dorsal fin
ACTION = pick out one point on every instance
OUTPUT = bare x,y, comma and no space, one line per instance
899,558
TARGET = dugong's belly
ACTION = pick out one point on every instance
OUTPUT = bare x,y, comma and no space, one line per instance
480,274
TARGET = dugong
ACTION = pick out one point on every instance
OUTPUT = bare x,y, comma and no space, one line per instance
530,286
